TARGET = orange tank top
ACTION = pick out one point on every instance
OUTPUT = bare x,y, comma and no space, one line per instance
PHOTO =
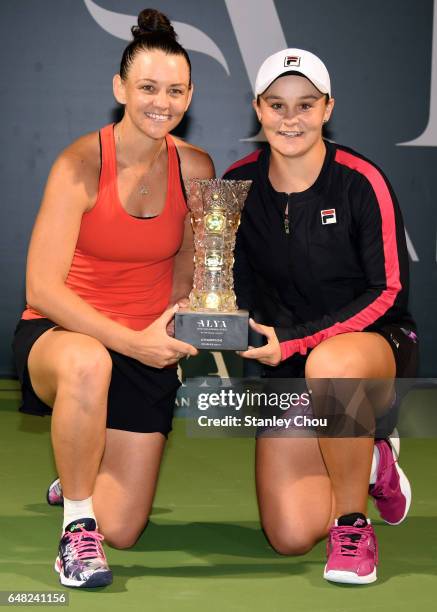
123,265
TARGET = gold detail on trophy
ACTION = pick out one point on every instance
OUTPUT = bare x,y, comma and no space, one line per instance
215,196
213,260
215,221
212,301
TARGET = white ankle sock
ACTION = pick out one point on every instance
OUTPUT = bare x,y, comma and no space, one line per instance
77,509
375,463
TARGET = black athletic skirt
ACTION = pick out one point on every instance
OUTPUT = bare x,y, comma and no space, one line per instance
140,398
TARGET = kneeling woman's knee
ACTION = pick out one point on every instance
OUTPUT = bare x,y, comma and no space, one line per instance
86,365
325,362
289,542
122,537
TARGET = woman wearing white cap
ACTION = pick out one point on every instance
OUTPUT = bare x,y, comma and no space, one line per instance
321,262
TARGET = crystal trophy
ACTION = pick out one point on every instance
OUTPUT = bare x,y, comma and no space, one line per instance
213,321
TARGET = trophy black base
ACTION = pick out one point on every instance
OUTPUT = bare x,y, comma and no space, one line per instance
213,331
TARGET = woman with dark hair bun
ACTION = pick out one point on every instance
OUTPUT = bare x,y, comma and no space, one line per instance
109,263
151,20
153,32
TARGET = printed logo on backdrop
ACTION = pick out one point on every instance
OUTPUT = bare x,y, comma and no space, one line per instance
119,25
249,17
428,138
258,34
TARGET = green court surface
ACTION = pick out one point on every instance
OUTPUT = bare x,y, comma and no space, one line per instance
203,549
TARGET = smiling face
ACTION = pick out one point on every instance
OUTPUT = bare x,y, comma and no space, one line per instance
156,92
292,112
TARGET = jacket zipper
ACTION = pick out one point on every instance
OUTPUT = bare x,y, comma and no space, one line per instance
287,216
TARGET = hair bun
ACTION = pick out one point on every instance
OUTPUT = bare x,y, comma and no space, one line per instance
151,20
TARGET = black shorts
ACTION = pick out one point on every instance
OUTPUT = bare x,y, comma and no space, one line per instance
140,398
404,344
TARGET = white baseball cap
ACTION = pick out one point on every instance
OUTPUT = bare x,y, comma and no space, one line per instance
296,60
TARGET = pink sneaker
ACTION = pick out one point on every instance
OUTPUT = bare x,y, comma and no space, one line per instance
352,553
392,491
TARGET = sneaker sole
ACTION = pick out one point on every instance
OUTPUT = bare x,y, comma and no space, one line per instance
395,443
99,579
405,486
404,483
51,503
348,577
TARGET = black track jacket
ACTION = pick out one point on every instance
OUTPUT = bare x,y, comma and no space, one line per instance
342,266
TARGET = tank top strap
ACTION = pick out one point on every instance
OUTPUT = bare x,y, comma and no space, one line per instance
107,148
174,181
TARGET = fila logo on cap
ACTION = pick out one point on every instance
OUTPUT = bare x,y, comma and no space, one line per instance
328,216
291,60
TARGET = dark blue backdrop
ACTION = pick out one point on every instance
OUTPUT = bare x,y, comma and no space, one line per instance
59,56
